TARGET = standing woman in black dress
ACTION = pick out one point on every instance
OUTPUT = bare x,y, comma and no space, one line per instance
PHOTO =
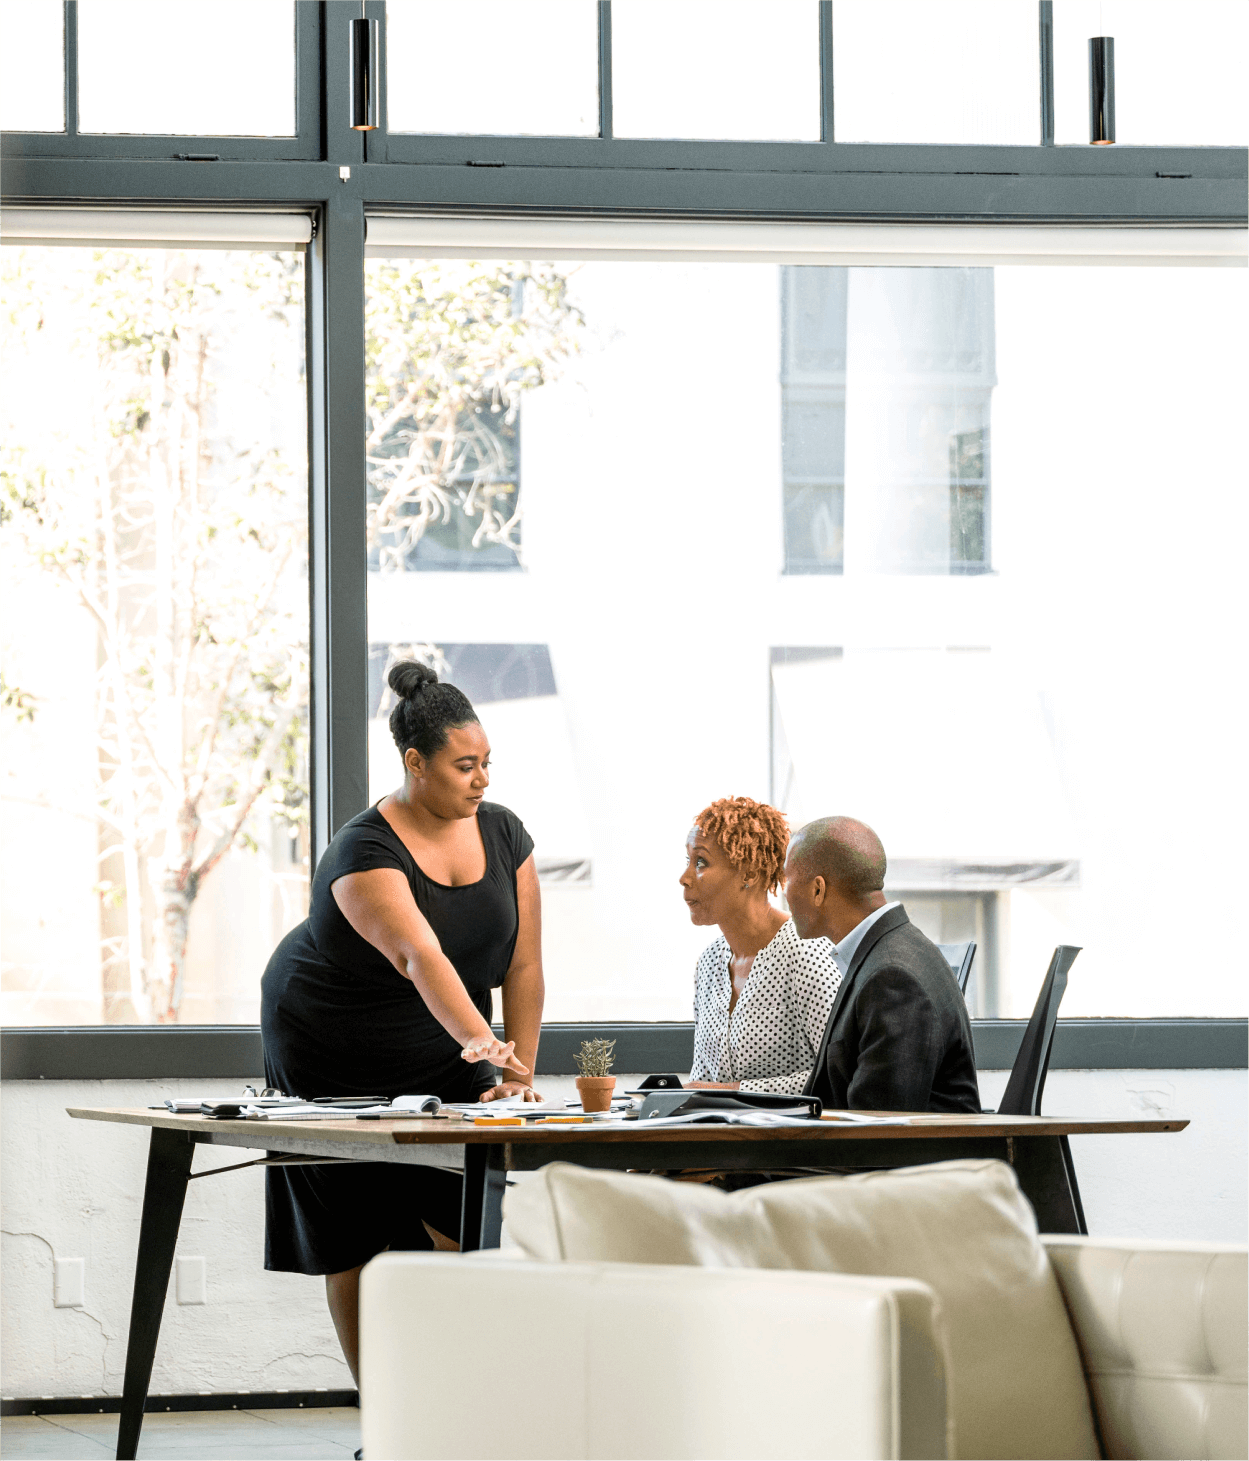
420,907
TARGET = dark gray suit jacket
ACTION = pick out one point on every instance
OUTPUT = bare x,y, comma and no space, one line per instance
898,1037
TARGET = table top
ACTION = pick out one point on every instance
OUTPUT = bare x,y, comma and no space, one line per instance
269,1135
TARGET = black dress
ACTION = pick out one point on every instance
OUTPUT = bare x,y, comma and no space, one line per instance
338,1019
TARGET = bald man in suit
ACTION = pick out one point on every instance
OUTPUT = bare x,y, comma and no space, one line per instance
898,1037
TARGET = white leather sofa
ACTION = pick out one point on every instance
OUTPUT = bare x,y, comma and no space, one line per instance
731,1345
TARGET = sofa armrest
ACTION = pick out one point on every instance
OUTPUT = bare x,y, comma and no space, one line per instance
622,1359
1163,1330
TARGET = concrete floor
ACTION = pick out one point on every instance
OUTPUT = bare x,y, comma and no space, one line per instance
189,1435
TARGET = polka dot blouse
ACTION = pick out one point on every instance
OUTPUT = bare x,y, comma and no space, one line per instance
769,1041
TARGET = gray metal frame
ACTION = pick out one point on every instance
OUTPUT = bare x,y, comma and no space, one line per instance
228,1053
596,176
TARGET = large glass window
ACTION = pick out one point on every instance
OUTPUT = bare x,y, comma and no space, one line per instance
917,348
209,68
32,65
522,69
813,417
1032,706
964,71
155,689
716,68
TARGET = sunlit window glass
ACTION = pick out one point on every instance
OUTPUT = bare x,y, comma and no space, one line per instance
32,65
1179,70
209,68
716,69
155,654
922,342
911,71
880,541
813,417
478,66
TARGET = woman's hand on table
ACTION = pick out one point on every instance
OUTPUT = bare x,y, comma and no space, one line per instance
511,1088
497,1052
713,1085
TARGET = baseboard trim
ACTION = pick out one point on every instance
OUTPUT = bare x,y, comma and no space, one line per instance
240,1400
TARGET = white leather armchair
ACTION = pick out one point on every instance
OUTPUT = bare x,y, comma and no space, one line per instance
639,1360
909,1312
1163,1339
634,1360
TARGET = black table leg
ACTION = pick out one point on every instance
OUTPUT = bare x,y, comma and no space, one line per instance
168,1169
481,1216
1048,1177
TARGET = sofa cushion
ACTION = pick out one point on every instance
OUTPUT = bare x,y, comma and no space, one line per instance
1164,1331
963,1228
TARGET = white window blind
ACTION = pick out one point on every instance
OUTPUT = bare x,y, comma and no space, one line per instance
100,227
800,243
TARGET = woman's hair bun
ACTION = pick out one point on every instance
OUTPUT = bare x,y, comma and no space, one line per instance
409,678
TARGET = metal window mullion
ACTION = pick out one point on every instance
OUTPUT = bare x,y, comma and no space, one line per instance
1046,61
308,75
71,68
376,144
337,581
339,142
605,120
827,129
337,563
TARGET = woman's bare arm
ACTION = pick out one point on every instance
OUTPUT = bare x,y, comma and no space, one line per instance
523,987
379,906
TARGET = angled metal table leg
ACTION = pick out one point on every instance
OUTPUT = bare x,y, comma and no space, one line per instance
168,1170
481,1215
1047,1176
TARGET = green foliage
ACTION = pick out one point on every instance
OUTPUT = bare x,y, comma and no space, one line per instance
181,532
595,1057
19,701
451,349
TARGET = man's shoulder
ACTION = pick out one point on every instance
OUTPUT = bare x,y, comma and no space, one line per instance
908,952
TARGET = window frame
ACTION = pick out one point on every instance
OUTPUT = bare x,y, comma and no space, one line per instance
337,175
305,145
234,1052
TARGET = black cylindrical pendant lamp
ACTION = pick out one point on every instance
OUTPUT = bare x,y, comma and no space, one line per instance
1101,90
364,92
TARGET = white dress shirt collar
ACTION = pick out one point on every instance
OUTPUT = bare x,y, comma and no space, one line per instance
845,951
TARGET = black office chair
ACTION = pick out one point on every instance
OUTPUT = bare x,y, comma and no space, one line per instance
1022,1096
1055,1193
959,957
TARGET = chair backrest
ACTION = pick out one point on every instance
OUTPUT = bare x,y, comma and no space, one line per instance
959,957
1027,1079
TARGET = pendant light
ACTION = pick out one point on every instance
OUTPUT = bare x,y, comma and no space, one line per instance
365,108
1101,90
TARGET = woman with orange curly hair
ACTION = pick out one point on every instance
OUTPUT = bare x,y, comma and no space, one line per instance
762,995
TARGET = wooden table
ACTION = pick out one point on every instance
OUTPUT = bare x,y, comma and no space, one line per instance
1036,1146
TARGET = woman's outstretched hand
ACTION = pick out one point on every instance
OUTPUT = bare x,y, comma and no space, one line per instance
511,1088
496,1052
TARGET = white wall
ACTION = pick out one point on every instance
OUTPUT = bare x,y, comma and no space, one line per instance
1189,1184
73,1190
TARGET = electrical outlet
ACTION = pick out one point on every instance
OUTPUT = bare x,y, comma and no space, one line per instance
192,1281
68,1283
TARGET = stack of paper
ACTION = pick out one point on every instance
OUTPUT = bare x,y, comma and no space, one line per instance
310,1112
506,1106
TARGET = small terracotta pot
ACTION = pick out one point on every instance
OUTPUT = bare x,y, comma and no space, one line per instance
595,1091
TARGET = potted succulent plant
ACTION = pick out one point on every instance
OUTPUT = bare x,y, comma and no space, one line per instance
594,1084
